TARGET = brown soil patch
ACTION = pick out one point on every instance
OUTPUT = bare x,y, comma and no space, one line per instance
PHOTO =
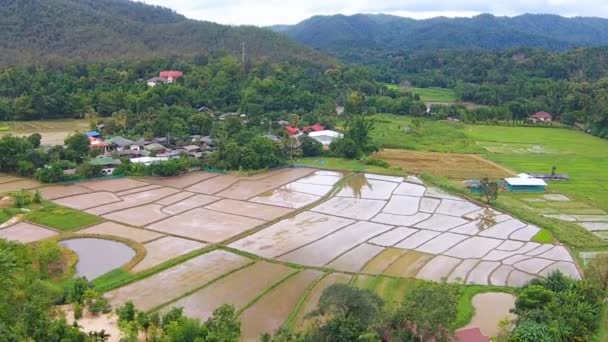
269,313
230,290
171,283
449,165
89,322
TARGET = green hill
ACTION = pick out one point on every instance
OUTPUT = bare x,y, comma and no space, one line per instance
50,31
358,36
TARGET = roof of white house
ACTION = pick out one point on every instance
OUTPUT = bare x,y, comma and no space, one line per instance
525,181
328,133
148,160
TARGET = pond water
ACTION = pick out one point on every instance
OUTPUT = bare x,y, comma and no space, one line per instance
98,256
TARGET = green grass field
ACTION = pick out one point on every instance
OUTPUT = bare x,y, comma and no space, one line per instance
435,94
433,136
532,149
61,218
432,94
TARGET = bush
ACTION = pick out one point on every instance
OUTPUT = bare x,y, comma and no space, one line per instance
171,167
50,174
310,147
25,168
77,311
376,162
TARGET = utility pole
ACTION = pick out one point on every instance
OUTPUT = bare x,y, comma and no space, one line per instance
243,54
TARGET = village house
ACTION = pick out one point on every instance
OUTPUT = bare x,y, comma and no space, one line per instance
169,76
525,183
541,117
108,164
119,143
325,137
156,148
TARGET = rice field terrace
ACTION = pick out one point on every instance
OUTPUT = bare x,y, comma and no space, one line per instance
53,132
269,244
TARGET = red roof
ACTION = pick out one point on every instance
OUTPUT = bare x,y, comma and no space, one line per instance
471,335
317,127
171,74
541,115
292,130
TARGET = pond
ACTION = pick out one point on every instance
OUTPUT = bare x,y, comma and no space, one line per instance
98,256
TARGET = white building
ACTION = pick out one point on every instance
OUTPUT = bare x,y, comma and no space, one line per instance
325,137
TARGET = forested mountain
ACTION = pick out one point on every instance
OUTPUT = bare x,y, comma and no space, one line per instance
56,31
357,37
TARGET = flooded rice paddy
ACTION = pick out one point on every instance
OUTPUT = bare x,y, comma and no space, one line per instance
379,227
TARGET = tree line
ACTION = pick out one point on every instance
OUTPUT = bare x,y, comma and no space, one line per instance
514,83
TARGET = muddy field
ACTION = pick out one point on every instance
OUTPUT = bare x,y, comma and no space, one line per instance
165,286
230,290
269,313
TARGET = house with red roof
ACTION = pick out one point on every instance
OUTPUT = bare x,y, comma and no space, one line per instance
168,76
291,130
541,117
313,128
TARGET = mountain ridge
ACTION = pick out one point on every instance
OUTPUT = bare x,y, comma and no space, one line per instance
49,31
335,33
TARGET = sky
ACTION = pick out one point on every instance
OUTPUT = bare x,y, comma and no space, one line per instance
272,12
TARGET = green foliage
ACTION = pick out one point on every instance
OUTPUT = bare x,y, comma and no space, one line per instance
432,309
61,218
173,326
343,300
26,312
596,272
107,30
376,162
435,136
376,38
310,147
51,173
561,308
531,331
544,236
357,141
78,145
26,168
489,190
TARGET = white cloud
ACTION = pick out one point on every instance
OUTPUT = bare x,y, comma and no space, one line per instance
269,12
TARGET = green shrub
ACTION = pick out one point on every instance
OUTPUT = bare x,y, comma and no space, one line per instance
376,162
26,168
310,147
